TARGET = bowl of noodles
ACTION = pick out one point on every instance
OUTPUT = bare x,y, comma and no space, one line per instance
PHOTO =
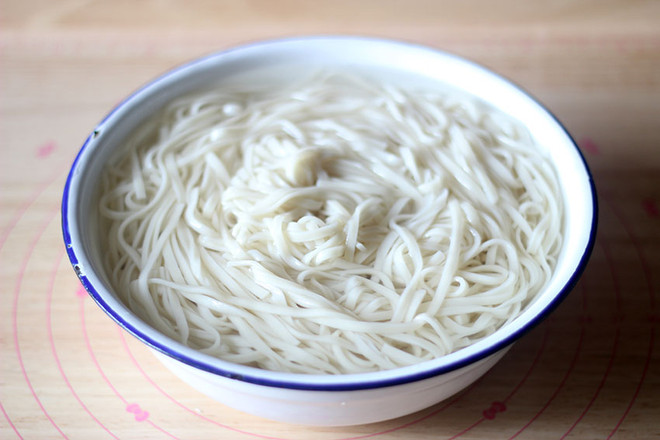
329,230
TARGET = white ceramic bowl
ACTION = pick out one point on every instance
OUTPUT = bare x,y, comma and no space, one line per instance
325,399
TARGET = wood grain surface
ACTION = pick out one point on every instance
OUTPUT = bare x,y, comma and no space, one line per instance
591,371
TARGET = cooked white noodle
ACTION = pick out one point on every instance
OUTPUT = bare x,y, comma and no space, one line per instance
340,225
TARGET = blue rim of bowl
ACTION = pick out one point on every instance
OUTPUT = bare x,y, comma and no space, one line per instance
349,382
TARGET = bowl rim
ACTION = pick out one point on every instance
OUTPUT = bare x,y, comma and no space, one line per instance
342,382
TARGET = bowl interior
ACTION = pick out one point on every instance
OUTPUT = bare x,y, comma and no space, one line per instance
80,225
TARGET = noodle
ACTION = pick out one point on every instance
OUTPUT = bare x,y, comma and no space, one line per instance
339,225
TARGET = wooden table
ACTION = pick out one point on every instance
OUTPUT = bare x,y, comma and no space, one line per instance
590,371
